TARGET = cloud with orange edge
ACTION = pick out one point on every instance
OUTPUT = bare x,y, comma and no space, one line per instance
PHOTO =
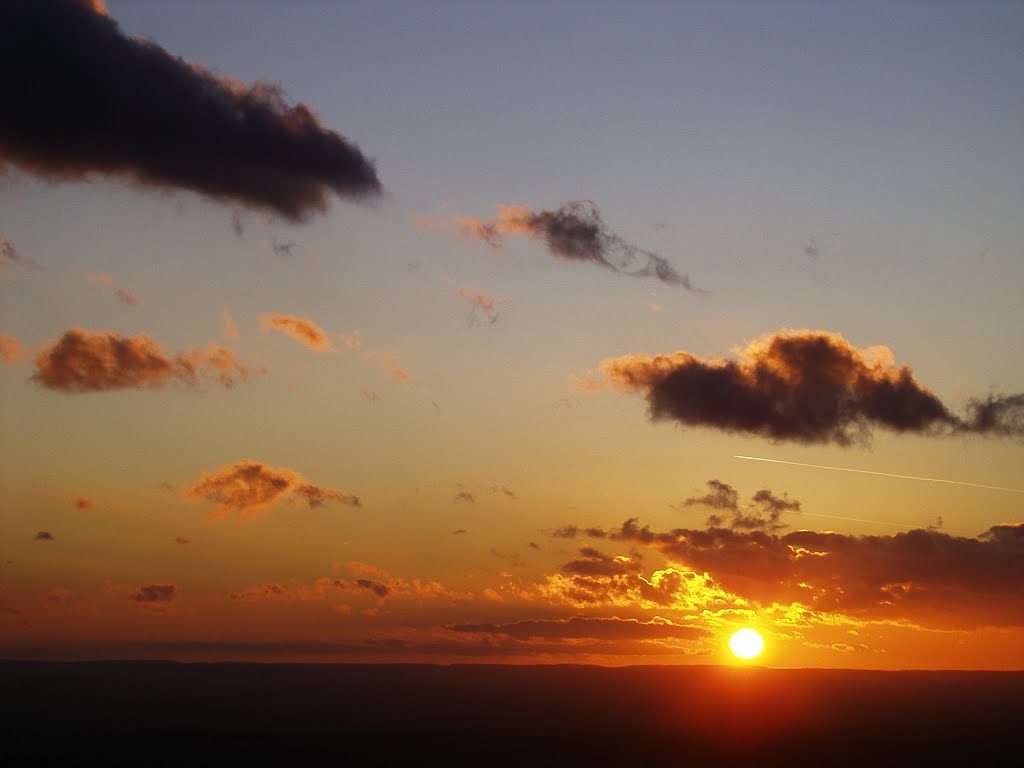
803,386
301,329
575,231
248,486
483,309
88,361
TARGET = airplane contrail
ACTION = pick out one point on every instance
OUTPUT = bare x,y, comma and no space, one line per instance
883,474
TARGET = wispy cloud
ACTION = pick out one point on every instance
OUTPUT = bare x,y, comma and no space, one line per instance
575,231
88,361
302,329
804,386
81,98
248,486
43,536
483,309
119,293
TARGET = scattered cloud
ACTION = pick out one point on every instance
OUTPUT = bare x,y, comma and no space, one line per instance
483,309
804,386
119,293
10,259
811,249
580,627
88,361
466,497
281,250
370,396
249,486
89,100
83,503
43,536
182,540
501,490
574,231
763,512
459,531
10,349
156,594
720,496
302,329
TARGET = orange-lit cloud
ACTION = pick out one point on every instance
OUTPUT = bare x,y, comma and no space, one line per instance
249,486
87,361
302,329
83,503
10,349
574,231
483,309
228,141
804,386
926,576
119,293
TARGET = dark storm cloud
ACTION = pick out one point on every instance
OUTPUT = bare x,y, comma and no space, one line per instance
574,231
804,386
81,98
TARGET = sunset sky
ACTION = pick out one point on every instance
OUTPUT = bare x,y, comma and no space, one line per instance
434,332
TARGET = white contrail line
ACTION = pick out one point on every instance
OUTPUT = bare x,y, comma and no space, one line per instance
884,474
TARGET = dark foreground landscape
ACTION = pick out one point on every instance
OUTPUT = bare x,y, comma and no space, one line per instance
215,714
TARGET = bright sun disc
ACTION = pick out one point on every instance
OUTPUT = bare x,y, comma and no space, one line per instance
746,643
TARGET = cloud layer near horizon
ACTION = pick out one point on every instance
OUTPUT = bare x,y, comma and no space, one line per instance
574,231
82,98
248,486
87,361
804,386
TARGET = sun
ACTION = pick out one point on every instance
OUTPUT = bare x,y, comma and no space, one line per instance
746,643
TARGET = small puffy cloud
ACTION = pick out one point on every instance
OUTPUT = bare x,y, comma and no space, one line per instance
83,503
10,259
302,329
574,231
720,496
182,540
82,99
10,349
803,386
155,594
764,510
43,536
249,486
87,361
466,497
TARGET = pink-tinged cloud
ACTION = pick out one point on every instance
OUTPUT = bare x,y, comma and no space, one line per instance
83,503
302,329
89,100
483,309
10,349
249,486
803,386
574,231
87,361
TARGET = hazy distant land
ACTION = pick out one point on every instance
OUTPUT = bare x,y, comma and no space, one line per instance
145,712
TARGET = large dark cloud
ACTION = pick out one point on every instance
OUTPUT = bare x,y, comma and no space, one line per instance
574,231
921,575
81,98
804,386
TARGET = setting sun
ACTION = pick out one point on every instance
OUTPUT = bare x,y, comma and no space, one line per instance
746,643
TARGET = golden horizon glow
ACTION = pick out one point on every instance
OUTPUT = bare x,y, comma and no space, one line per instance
746,643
